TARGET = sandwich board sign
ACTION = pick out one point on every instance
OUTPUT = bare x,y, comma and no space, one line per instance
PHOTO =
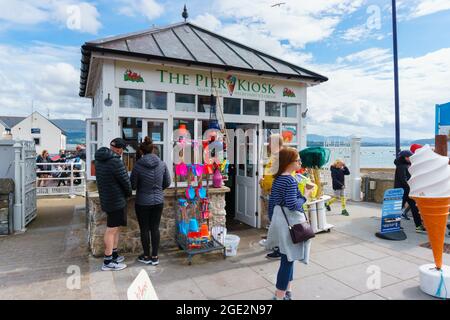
142,288
391,215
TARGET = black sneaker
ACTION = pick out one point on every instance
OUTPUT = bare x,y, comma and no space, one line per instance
155,261
288,295
147,260
119,259
328,207
274,255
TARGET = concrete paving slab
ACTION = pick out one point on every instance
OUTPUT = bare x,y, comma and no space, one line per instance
405,290
366,252
360,277
321,287
185,289
259,294
336,258
398,268
269,270
230,282
368,296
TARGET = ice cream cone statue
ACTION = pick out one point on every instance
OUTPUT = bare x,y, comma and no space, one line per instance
430,188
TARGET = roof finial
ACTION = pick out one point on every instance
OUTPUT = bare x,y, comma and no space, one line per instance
185,14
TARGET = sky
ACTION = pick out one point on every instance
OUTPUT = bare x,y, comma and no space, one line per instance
349,41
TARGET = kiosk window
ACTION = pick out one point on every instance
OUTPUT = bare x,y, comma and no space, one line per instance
289,133
251,107
156,100
130,98
273,109
290,110
156,133
232,105
132,134
204,104
185,102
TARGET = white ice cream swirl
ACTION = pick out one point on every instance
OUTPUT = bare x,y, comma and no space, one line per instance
430,174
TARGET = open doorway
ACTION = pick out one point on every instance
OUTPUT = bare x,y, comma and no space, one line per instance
241,201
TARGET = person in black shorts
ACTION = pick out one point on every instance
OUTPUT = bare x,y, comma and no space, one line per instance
114,187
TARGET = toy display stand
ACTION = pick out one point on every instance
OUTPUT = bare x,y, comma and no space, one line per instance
435,282
318,215
194,246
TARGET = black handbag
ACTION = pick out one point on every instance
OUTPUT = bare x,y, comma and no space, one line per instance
299,232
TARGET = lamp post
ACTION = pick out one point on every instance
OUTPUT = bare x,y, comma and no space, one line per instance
396,82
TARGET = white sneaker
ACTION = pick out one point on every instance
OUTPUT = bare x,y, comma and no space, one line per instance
113,266
262,243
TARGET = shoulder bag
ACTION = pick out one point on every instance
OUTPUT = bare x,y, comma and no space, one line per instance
299,232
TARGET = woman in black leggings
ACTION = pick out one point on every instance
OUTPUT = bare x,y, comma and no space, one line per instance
150,177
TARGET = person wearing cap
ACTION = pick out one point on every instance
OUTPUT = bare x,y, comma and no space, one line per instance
402,175
114,187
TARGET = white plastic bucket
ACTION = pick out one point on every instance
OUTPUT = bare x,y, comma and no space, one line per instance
231,244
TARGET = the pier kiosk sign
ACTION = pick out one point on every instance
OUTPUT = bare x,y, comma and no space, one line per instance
200,82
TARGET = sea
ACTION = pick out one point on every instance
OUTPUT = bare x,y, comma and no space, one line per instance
371,157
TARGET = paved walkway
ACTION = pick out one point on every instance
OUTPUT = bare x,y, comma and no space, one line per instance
34,265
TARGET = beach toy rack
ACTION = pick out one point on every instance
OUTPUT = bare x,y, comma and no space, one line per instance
193,233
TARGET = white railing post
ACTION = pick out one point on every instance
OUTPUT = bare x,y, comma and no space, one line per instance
72,194
355,173
18,226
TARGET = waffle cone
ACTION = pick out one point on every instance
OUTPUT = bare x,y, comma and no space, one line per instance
434,212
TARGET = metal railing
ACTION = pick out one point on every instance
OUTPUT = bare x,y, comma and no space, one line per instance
64,178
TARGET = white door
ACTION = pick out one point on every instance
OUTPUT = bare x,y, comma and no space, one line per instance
93,142
246,179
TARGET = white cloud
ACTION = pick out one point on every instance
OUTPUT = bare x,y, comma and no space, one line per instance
359,97
46,74
419,8
151,9
360,33
297,21
75,15
207,21
22,12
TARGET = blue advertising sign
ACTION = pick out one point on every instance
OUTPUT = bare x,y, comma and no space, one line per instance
392,210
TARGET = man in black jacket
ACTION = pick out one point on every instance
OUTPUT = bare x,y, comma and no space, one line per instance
402,175
114,187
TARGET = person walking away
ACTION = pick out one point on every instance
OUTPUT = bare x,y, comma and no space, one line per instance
402,175
405,207
285,193
114,187
270,169
43,158
149,177
338,172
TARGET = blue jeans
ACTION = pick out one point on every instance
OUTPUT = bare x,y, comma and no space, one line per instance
285,273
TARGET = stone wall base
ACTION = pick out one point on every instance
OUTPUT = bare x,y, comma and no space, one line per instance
130,241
